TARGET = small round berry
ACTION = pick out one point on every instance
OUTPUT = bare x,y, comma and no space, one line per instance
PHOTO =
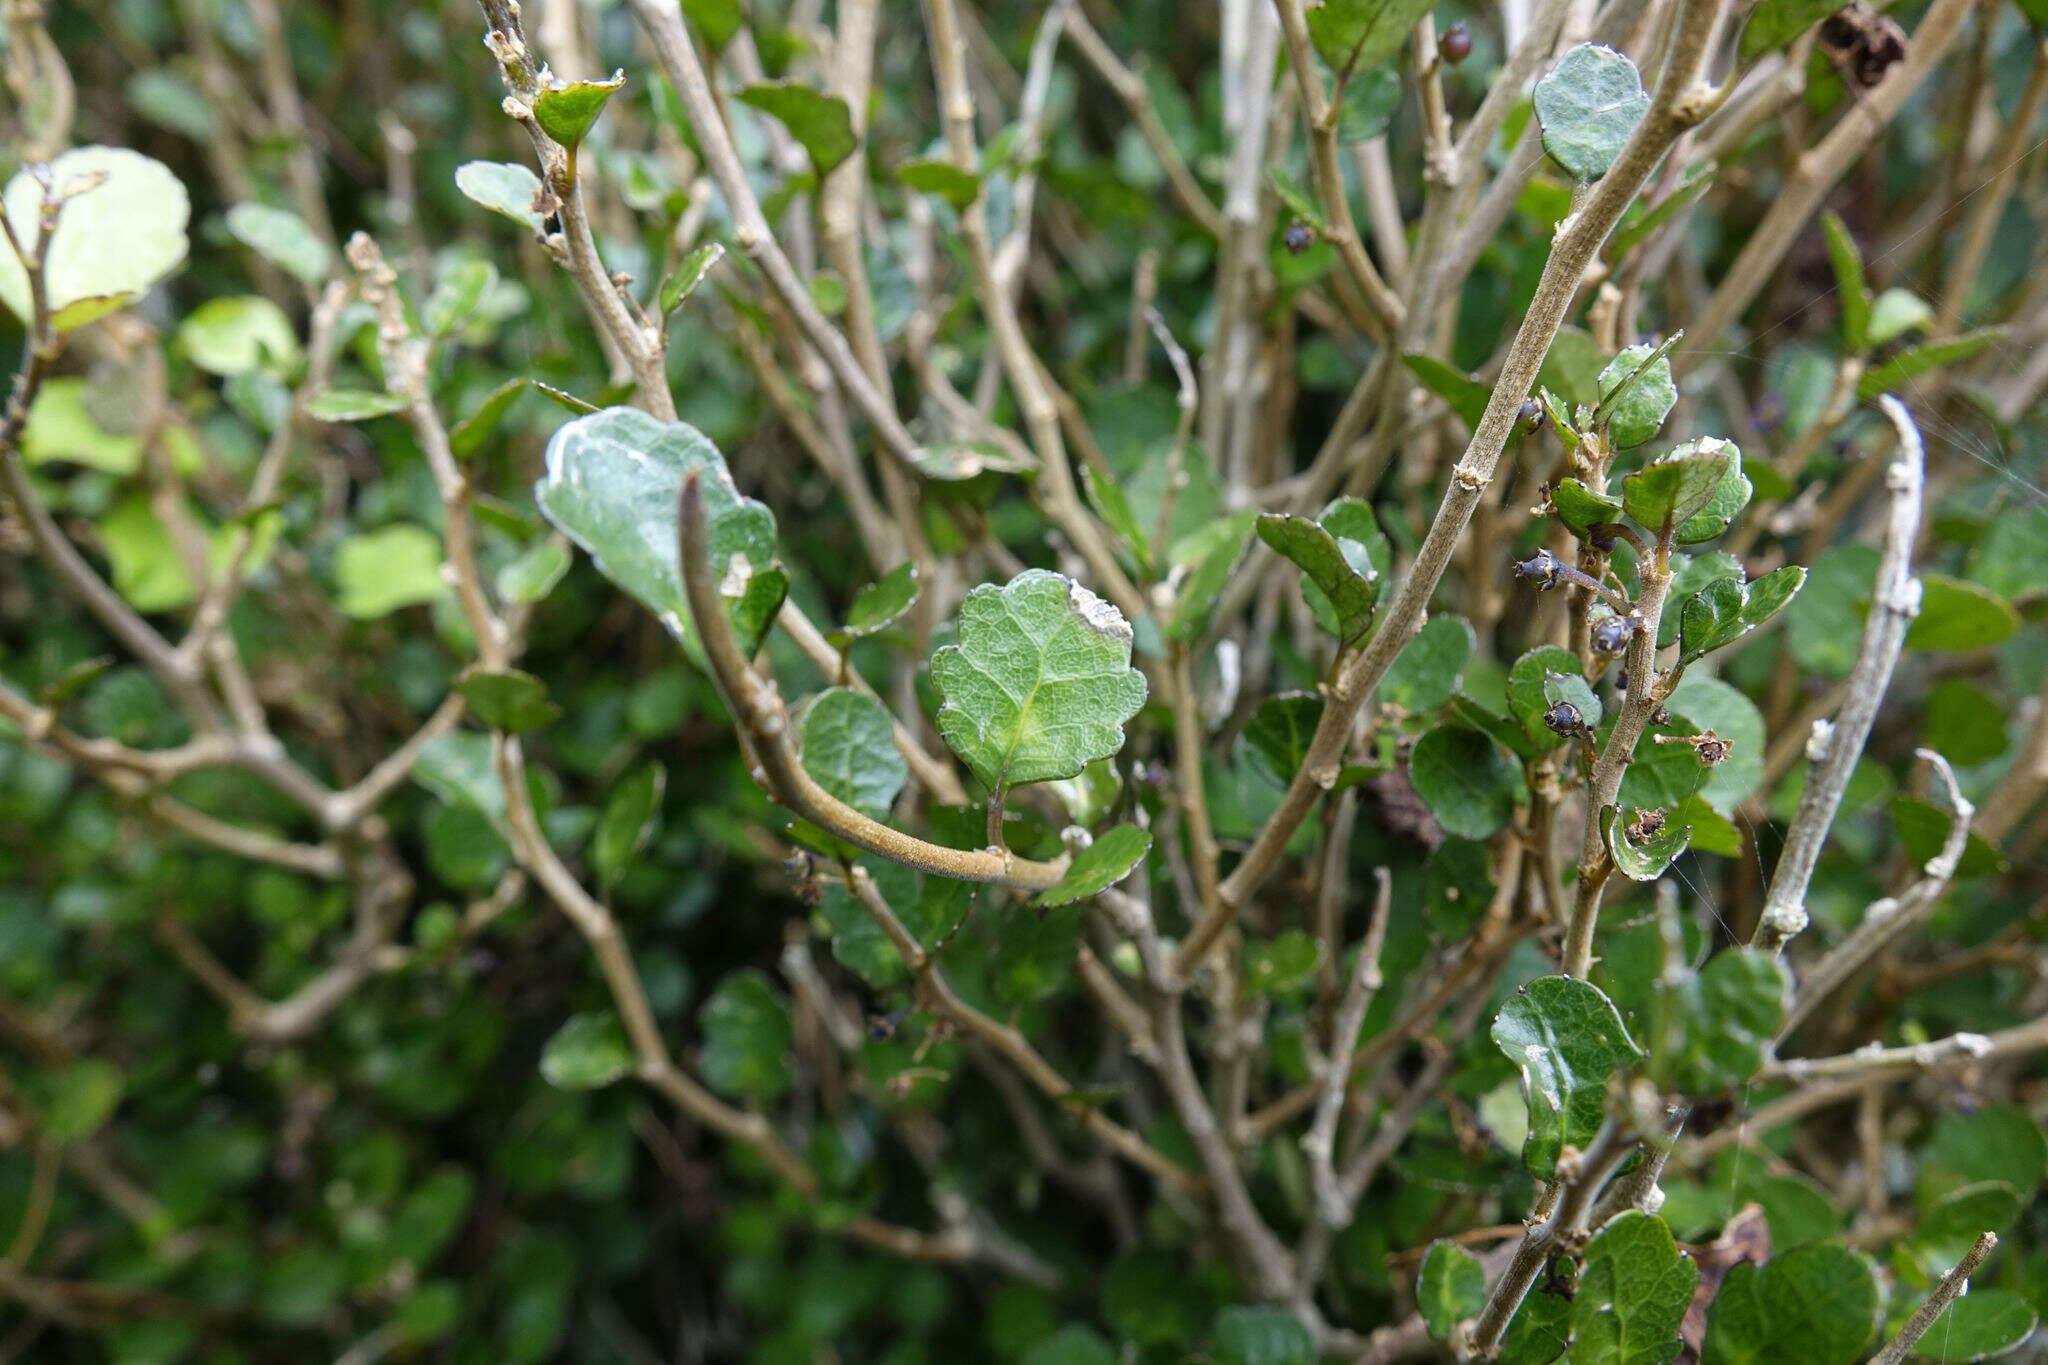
1299,237
1611,634
1541,568
1530,416
1564,719
1456,44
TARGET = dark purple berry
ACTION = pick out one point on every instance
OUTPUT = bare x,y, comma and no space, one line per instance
1564,719
1456,44
1611,634
1299,237
1530,416
1540,568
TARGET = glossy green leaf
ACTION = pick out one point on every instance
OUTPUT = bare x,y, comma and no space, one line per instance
120,230
821,124
1775,23
1588,105
1634,1287
1347,580
878,606
1641,860
1279,733
1466,395
1667,492
690,272
1580,509
1041,681
1101,865
1450,1288
612,484
1637,393
503,187
1568,1041
533,575
849,745
1539,1332
226,336
567,112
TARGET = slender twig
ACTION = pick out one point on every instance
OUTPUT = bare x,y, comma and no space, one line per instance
1953,1285
1834,749
1319,1142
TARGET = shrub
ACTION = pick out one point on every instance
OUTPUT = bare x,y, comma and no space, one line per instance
1346,682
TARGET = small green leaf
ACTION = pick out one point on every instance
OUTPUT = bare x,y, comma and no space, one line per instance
467,437
1897,312
1915,361
717,20
587,1052
1464,781
1922,829
567,112
121,228
1371,99
1209,553
1575,690
1982,1324
354,405
628,821
1729,497
1281,965
1568,1040
1526,683
943,178
820,123
1347,580
282,238
1457,885
1997,1142
383,570
1711,618
1466,395
1260,1336
504,187
1850,285
1588,105
1041,681
1642,860
1073,1344
959,461
510,700
1099,866
1357,35
1956,614
878,606
688,274
1816,1304
1580,509
1637,393
1541,1330
1775,23
747,1035
2011,557
1634,1287
1667,492
849,745
1451,1288
612,484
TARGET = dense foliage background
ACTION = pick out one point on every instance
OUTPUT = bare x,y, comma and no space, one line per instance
434,1146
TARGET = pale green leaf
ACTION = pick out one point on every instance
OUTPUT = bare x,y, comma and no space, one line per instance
567,112
820,123
1588,105
121,229
282,238
586,1052
504,187
1099,866
1041,681
383,570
